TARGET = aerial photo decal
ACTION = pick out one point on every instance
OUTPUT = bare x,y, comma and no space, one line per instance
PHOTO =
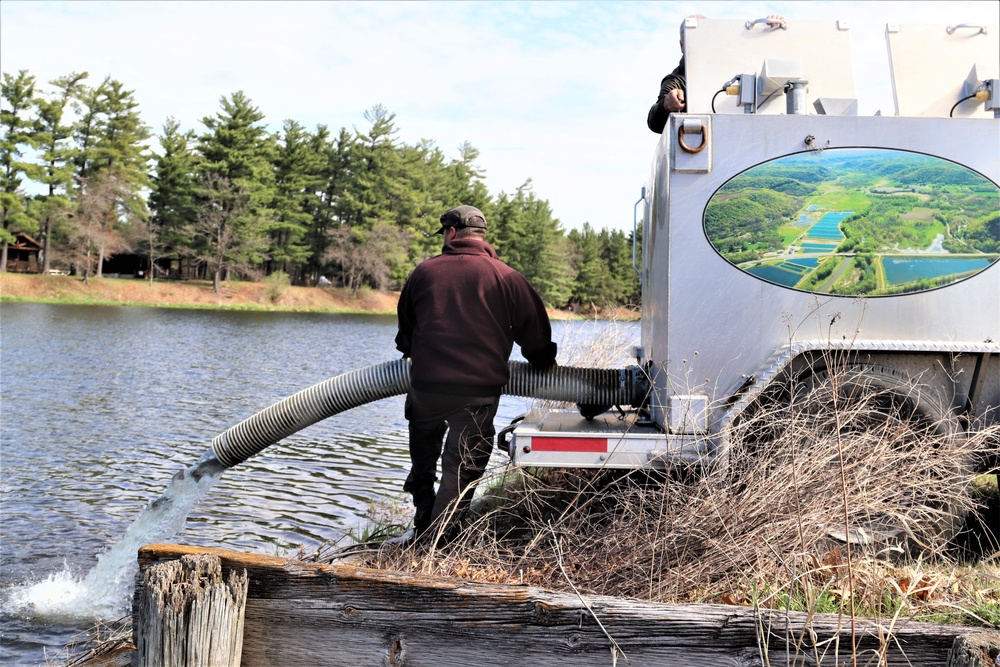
857,222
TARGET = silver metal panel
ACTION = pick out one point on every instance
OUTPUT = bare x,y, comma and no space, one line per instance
707,324
930,64
654,236
718,50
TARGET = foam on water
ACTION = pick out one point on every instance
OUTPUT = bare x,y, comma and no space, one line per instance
105,592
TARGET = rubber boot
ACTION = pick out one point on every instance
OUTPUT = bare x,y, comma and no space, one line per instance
423,515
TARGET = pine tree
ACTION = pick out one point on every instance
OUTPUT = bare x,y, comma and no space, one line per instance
230,241
424,197
546,252
120,140
622,278
88,105
591,285
297,179
55,171
16,93
508,228
173,200
110,136
335,167
532,241
380,188
238,148
375,190
467,181
236,153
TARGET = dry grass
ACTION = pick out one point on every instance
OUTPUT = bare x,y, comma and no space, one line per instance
768,529
708,540
104,644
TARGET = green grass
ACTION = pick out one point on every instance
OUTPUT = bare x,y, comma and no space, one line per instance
926,233
842,200
823,601
790,232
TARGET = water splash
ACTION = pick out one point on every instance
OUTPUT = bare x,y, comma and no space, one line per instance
105,592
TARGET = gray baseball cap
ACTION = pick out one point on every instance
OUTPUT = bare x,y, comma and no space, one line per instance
462,216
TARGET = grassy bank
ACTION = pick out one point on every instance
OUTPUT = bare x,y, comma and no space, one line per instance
235,295
191,294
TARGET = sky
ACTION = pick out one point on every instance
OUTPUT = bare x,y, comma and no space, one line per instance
555,91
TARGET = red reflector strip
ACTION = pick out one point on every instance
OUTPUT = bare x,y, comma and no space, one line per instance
569,444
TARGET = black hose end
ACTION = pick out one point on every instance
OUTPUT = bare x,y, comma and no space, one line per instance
638,386
588,411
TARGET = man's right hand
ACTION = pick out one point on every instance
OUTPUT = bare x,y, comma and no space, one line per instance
674,100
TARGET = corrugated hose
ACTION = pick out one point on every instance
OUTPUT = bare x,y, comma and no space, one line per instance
592,386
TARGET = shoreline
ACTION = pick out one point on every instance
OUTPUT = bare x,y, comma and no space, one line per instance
190,294
235,295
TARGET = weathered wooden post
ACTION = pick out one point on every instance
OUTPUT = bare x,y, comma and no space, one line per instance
186,615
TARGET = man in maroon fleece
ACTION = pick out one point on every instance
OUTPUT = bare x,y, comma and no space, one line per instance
459,315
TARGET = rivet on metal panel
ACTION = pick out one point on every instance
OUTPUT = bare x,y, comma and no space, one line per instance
526,449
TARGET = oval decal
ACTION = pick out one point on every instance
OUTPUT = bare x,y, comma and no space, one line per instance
857,222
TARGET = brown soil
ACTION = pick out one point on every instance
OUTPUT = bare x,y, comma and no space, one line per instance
190,294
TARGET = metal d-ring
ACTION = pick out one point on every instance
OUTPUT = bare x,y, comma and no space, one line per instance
681,131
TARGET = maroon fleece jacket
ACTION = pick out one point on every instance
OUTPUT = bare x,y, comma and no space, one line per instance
460,314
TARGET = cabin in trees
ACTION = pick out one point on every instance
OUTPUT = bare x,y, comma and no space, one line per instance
23,253
132,265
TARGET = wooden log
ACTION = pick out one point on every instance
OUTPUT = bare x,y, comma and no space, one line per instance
186,614
306,614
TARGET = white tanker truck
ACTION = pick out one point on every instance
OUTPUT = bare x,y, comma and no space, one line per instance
790,246
793,254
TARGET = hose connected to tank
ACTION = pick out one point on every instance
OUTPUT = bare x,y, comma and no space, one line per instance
592,386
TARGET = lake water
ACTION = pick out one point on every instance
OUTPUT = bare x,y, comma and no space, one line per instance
102,406
900,270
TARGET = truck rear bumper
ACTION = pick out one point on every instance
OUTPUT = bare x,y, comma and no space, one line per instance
564,439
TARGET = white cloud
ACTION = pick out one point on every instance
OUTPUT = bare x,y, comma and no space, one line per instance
554,91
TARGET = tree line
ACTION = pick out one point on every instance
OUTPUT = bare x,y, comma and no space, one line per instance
350,208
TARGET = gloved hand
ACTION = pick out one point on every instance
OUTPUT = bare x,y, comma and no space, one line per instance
542,358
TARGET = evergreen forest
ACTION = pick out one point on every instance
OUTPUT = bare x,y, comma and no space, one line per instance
349,208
